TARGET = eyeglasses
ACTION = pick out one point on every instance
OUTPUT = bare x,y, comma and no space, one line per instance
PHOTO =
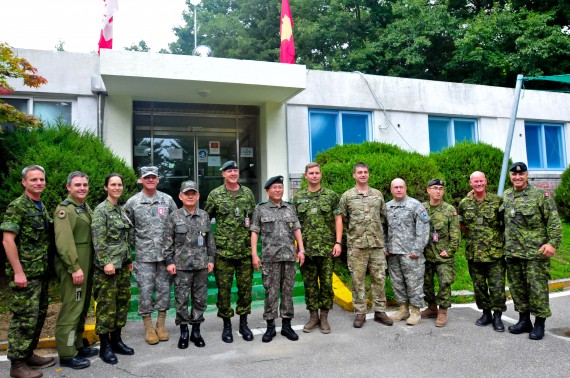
437,188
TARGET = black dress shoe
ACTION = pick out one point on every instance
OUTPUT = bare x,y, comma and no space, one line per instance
85,352
75,362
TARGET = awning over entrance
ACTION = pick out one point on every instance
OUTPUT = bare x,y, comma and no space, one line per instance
191,79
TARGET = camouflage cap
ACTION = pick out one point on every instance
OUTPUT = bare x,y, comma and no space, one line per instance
230,164
148,171
436,181
188,185
518,167
273,180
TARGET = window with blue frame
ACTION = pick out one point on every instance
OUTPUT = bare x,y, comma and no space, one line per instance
545,145
446,131
328,128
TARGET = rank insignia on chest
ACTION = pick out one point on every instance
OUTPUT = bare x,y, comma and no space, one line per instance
161,211
61,214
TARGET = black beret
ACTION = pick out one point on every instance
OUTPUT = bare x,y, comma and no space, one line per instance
229,165
518,167
273,180
436,182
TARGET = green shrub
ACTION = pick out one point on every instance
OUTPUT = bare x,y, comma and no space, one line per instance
562,196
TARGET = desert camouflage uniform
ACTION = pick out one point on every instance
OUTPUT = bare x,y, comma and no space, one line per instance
531,220
444,223
408,232
148,216
32,226
316,215
276,226
233,211
484,252
189,245
109,228
365,215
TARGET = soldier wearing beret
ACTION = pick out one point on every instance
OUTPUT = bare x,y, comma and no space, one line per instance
189,251
26,240
277,223
74,267
532,234
232,205
440,252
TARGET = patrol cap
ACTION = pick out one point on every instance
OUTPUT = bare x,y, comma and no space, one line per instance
436,181
188,185
518,167
273,180
149,171
230,164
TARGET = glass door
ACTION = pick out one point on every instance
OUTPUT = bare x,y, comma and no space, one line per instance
213,151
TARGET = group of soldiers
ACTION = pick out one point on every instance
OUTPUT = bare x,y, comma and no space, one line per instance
515,235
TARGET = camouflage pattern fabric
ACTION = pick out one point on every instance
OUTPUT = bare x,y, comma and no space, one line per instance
192,283
109,231
276,276
188,241
224,273
317,278
373,260
151,276
29,308
113,295
528,284
489,284
445,224
445,273
276,225
407,278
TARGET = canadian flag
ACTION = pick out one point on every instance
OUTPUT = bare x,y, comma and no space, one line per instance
106,38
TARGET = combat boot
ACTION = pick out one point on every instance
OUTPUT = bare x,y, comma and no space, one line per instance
485,319
150,333
430,311
105,350
195,336
524,324
402,314
86,351
441,320
227,336
537,332
287,331
244,329
382,318
415,318
39,362
324,321
184,336
161,331
359,320
497,322
118,345
270,332
19,369
313,321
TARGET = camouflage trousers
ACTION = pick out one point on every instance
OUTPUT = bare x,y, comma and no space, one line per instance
528,284
373,261
193,285
113,295
317,277
278,277
489,284
224,269
407,278
29,308
445,273
152,276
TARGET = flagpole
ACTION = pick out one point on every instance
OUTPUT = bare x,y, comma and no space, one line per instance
195,3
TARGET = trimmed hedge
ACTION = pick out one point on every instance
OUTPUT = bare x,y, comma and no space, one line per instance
562,195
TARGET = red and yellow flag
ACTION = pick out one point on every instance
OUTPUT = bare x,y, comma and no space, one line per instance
286,32
106,36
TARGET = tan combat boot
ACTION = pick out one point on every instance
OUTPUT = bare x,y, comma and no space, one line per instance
402,313
430,312
312,323
150,334
161,330
441,320
415,318
20,369
325,327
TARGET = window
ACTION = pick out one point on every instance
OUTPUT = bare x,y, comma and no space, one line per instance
328,128
47,111
544,145
445,132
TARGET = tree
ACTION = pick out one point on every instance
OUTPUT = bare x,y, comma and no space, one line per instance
141,47
60,46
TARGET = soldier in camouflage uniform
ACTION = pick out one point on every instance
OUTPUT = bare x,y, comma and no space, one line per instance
532,234
277,223
408,234
363,210
189,251
112,274
148,211
26,240
481,221
74,267
315,208
445,236
232,205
